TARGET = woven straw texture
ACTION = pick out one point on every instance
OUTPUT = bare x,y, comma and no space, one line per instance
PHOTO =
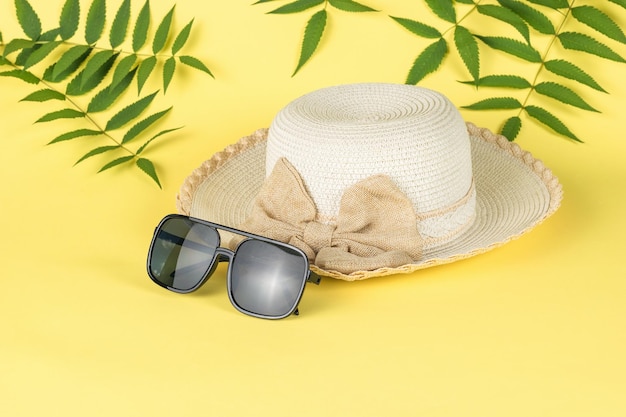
514,193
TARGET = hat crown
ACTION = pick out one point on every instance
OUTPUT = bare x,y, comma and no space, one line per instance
337,136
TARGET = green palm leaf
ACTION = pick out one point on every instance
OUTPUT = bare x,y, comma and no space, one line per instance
505,15
162,32
501,81
84,82
495,103
117,162
95,21
28,19
148,167
297,6
548,119
145,69
443,8
40,53
46,94
312,36
70,16
181,38
585,43
350,6
418,28
532,16
120,25
468,50
140,33
428,61
194,63
600,21
563,94
511,128
69,62
129,113
107,96
553,4
513,47
141,126
23,75
61,114
75,134
568,70
97,151
168,72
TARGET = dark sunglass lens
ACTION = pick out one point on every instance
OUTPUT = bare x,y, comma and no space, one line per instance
182,253
267,279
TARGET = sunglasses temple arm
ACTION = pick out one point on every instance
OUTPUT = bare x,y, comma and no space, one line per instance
313,278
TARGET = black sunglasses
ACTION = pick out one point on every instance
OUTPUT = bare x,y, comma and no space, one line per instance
266,278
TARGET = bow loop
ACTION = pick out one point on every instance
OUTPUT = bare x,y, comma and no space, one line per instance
376,226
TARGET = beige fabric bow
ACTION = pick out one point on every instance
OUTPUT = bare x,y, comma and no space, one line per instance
376,226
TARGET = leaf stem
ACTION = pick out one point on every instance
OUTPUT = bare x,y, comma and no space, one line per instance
544,56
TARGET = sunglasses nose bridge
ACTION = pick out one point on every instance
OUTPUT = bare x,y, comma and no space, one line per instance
224,255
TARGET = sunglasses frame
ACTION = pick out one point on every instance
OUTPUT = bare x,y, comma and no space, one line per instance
223,254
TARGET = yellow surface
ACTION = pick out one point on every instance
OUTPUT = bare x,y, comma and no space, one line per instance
535,328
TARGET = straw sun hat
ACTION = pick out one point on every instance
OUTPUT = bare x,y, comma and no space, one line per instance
374,179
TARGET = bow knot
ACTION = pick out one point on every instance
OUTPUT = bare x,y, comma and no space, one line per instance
376,226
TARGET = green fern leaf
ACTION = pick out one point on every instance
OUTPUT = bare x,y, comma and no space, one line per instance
465,1
418,28
75,134
70,16
107,96
17,45
40,53
117,162
194,63
553,4
28,19
501,81
23,75
82,84
96,151
181,38
137,129
513,47
46,94
468,50
600,21
129,113
49,35
123,68
511,128
568,70
158,135
61,114
548,119
507,16
563,94
69,62
585,43
95,64
140,33
443,8
162,32
428,61
145,69
148,167
532,16
621,3
168,72
495,103
312,36
119,27
350,6
95,21
296,6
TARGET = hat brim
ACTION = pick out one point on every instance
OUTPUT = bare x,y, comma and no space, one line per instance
514,193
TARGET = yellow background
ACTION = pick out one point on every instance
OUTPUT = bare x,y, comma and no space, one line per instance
535,328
